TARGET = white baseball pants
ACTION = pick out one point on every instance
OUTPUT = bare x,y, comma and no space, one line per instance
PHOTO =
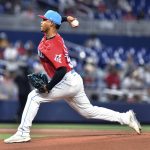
71,89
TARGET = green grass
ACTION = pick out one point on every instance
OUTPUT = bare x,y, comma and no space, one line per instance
74,126
70,126
5,135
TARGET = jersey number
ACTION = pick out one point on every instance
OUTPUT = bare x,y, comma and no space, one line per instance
68,60
66,55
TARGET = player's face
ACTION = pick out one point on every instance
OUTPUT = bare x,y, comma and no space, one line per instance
45,25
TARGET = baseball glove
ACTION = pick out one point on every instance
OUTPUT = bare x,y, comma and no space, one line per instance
39,81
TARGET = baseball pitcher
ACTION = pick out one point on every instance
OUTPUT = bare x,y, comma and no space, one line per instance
65,82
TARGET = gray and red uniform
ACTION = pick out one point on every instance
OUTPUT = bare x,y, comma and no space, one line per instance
54,55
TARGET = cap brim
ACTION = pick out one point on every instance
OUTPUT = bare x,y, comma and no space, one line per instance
43,17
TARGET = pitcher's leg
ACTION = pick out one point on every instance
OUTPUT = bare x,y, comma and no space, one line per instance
30,111
32,106
82,105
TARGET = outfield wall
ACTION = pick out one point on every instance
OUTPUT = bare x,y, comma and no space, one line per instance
61,112
107,40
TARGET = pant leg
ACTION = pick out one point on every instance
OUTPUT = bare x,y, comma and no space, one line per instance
31,108
82,105
65,88
29,112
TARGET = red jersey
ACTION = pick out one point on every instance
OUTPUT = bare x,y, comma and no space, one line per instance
54,54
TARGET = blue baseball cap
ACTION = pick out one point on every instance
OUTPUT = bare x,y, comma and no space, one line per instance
52,16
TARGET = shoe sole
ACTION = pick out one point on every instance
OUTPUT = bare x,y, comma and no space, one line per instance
18,141
137,122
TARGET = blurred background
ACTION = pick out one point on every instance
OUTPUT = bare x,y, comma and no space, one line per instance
110,50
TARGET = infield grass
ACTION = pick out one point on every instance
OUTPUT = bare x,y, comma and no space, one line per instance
73,126
106,127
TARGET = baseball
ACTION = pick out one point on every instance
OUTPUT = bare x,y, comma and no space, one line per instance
75,23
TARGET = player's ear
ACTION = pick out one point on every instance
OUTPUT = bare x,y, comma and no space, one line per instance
51,23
